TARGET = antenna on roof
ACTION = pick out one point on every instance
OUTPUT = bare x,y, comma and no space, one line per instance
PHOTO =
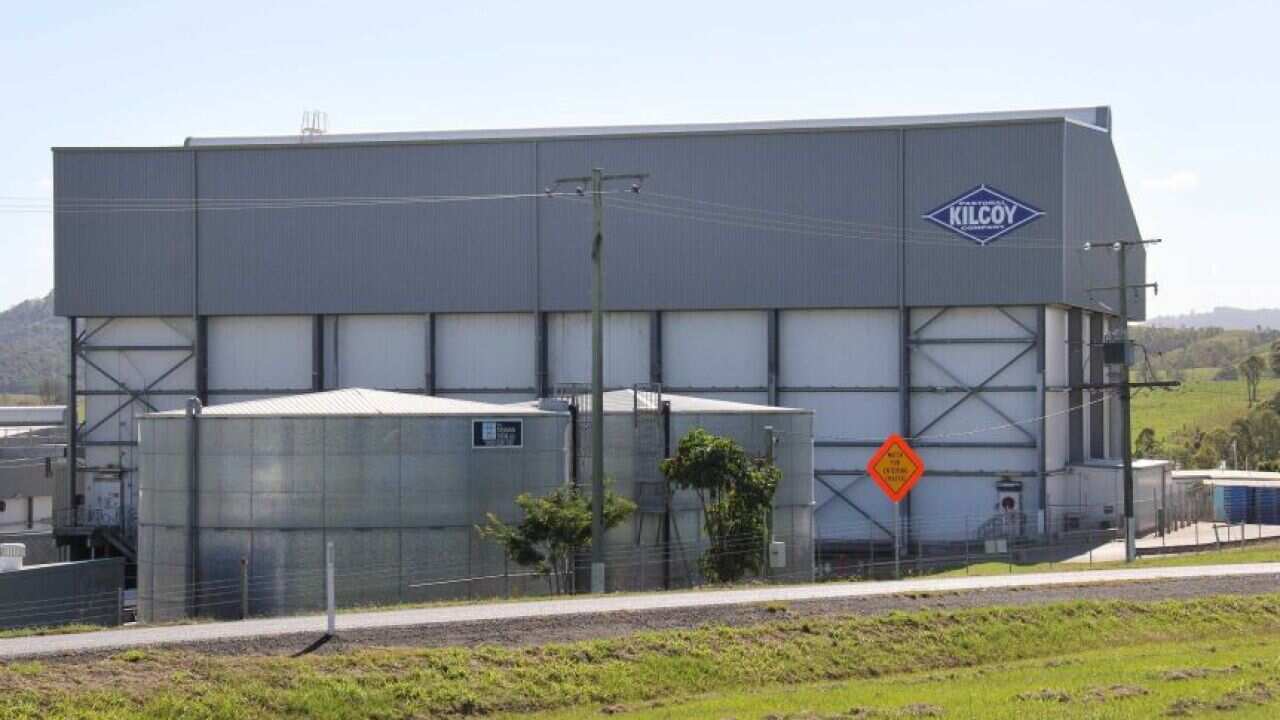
314,122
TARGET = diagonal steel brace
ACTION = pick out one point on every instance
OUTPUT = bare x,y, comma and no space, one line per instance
975,391
841,494
133,395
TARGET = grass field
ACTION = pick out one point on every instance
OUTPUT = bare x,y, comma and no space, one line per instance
1262,552
1234,678
1200,402
10,399
968,663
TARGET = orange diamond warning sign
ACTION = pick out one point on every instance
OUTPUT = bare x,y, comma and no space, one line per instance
895,467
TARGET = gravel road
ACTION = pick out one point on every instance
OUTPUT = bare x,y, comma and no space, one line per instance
523,623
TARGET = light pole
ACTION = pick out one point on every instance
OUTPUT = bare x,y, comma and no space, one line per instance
597,180
1121,248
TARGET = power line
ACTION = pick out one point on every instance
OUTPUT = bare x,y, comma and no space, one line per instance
264,204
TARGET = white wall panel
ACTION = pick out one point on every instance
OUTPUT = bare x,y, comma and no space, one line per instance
715,349
975,322
857,416
267,352
824,348
1057,424
945,507
387,352
951,458
485,350
626,348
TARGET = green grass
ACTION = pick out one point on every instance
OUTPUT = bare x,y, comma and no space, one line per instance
1236,678
1200,403
1267,551
9,399
49,630
672,666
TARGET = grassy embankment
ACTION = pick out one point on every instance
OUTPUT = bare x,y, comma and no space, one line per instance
1265,551
1201,402
970,663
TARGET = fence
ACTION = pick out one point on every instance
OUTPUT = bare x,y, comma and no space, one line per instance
246,587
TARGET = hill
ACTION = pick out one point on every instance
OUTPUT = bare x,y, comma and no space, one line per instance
32,346
1227,318
1172,349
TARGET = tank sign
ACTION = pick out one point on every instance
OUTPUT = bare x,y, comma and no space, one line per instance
497,433
983,214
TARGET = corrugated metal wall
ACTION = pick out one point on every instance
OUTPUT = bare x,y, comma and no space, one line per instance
117,262
1096,209
528,254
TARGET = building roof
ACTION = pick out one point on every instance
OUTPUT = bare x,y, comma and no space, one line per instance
1241,478
625,401
32,415
1098,118
355,402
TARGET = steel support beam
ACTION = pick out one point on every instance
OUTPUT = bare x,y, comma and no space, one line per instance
486,391
1042,405
772,356
430,383
718,389
1075,377
925,443
542,382
655,347
317,354
971,341
858,472
200,347
73,422
133,348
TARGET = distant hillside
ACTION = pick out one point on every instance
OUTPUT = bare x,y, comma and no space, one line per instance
1212,347
1227,318
32,346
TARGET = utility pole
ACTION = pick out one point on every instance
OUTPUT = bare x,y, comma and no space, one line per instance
1121,343
597,180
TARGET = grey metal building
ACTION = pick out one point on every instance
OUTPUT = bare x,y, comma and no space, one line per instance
916,275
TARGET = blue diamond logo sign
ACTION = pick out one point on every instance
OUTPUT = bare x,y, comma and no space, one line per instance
983,214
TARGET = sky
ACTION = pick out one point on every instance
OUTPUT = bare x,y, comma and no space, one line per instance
1194,88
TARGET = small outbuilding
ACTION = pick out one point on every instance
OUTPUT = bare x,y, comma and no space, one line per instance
238,502
396,481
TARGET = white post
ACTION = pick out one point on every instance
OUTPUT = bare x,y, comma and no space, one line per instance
328,586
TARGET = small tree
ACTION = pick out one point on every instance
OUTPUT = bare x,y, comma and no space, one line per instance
1275,357
1206,458
736,492
554,529
1147,445
1252,369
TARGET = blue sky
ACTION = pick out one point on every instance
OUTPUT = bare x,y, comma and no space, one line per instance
1193,86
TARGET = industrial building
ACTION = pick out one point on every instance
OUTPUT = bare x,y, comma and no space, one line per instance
918,275
32,462
398,483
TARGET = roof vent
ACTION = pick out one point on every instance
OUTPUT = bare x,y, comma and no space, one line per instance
314,122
